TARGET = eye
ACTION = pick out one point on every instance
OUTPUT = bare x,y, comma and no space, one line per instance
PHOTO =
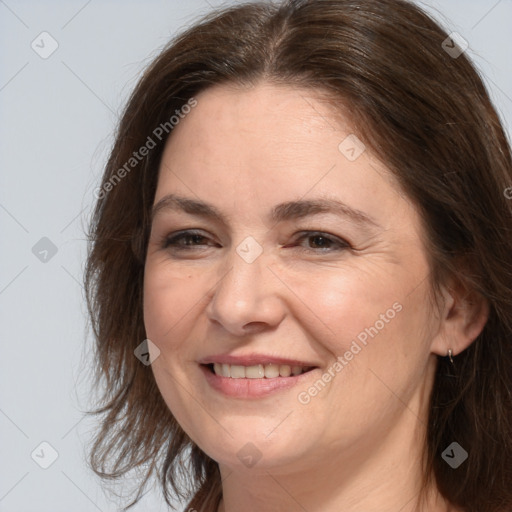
318,241
186,240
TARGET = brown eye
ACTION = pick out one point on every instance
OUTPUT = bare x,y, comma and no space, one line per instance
322,242
185,240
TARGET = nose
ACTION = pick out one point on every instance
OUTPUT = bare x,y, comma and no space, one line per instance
247,299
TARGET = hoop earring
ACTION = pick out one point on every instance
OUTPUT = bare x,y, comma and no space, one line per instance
450,354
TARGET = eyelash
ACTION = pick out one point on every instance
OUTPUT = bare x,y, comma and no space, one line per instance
173,241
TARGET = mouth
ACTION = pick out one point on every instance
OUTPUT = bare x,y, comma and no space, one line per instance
256,381
257,371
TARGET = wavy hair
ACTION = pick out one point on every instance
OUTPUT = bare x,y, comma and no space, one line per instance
427,115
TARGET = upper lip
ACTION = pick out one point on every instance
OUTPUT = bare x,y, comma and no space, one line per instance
254,359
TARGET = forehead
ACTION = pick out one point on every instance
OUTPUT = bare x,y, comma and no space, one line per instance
267,144
278,115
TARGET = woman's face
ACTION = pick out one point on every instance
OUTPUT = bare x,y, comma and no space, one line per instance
279,244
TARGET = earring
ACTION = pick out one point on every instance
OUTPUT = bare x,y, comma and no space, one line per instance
450,353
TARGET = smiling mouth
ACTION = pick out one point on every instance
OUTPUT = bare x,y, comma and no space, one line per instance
258,371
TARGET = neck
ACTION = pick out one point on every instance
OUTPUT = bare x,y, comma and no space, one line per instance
382,477
274,493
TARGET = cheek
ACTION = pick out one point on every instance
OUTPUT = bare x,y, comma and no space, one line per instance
332,305
374,322
169,298
337,306
168,308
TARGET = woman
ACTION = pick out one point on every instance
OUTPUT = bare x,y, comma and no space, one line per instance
300,274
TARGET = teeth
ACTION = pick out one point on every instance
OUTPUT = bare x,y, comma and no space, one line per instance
285,370
237,372
226,372
271,370
254,372
259,371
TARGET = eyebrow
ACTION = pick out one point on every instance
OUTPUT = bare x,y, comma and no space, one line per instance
289,210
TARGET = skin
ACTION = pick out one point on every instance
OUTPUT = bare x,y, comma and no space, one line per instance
357,444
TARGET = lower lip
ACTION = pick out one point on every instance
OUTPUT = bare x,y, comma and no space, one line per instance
251,388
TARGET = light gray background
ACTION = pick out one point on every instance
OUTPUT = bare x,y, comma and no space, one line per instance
57,117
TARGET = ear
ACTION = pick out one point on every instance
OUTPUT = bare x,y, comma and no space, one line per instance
462,318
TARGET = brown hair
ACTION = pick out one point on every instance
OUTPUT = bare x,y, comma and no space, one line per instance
427,116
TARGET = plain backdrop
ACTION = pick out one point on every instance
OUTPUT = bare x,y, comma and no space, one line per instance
57,117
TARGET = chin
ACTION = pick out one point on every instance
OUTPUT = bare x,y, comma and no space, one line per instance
255,448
